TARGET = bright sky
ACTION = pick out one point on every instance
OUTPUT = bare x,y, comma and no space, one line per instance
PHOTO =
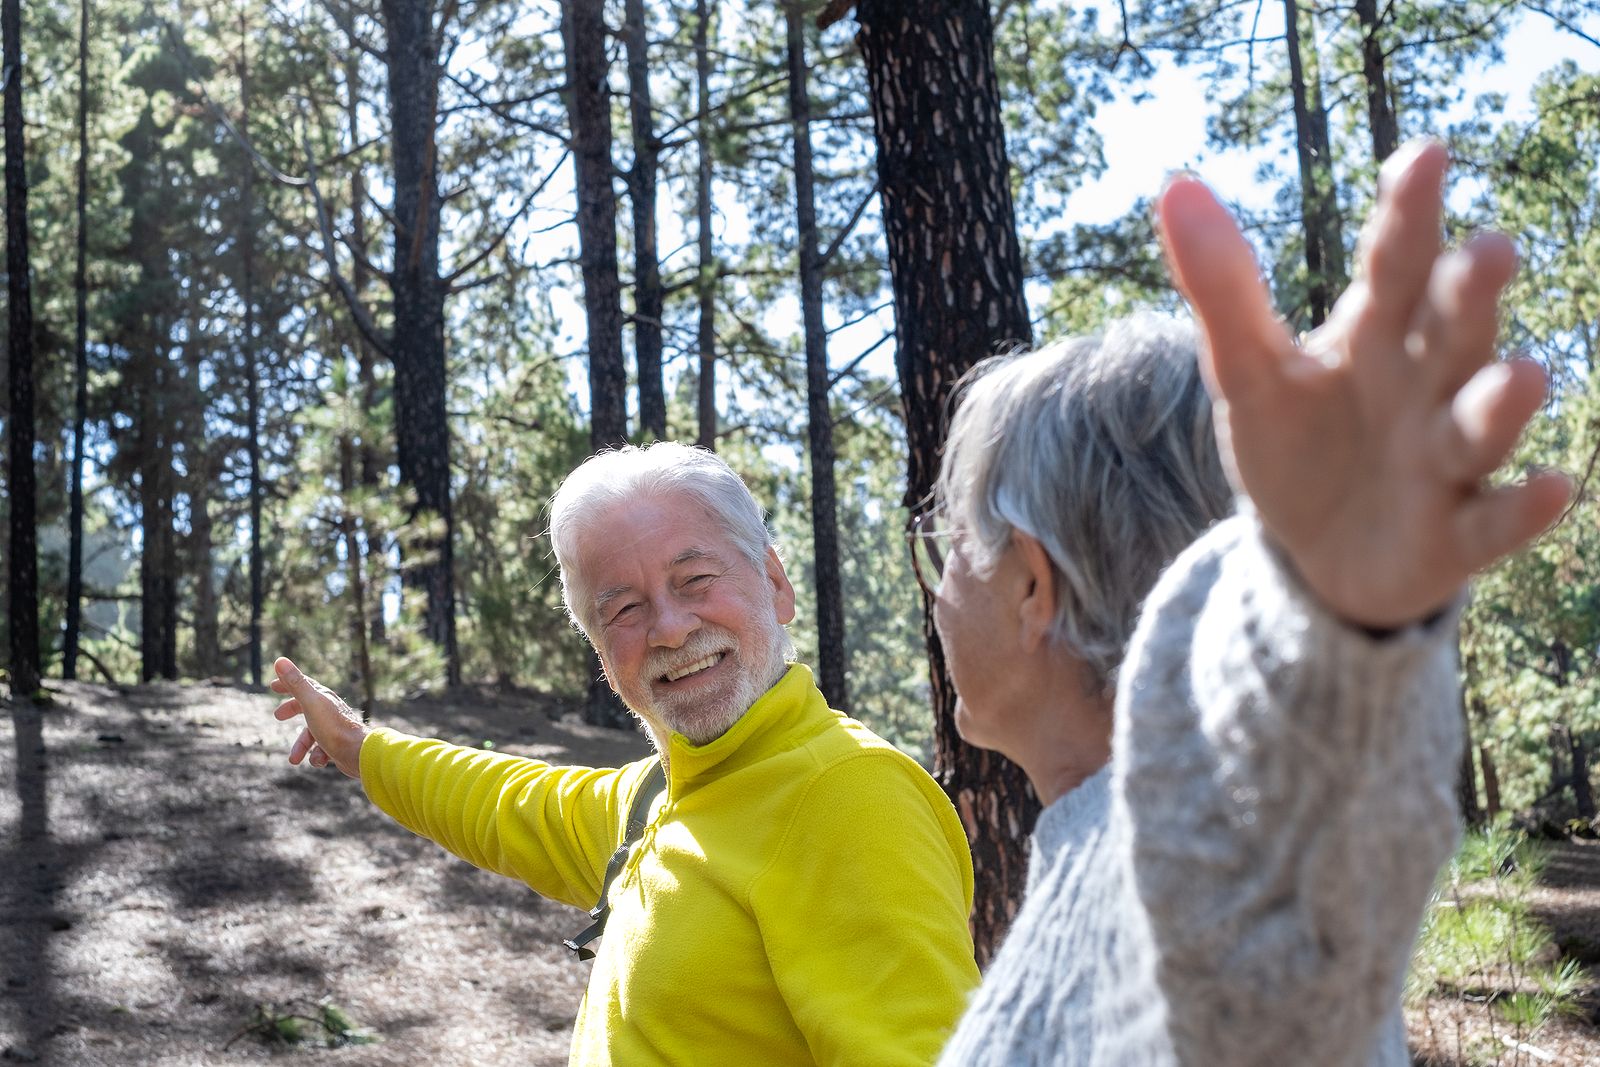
1137,161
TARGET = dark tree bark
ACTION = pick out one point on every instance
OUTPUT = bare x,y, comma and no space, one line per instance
1491,783
1380,108
1325,267
252,369
23,551
1467,775
957,273
366,359
207,641
1582,788
158,587
349,531
417,345
831,661
583,31
80,364
706,283
647,292
144,332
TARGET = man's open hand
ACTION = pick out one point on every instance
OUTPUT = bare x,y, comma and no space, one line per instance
333,732
1365,451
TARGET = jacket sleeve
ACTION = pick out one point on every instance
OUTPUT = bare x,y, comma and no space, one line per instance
863,911
553,828
1287,786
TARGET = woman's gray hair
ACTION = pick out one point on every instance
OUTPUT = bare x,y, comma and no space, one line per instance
660,469
1102,448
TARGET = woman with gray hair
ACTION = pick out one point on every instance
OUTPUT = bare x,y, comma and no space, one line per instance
1246,761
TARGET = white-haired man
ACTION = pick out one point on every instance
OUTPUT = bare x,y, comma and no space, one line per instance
800,889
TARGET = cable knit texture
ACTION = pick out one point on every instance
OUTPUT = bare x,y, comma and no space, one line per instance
1244,883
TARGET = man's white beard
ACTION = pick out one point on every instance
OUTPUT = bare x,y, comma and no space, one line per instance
704,717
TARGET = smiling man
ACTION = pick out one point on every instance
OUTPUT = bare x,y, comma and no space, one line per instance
799,890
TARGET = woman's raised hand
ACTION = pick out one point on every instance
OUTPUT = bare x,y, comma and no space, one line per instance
1365,449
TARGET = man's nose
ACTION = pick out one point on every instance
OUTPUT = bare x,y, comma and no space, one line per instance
673,624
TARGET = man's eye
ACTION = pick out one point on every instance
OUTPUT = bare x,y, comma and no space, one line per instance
624,613
698,580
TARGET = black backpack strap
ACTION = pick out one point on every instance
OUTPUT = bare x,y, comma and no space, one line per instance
638,816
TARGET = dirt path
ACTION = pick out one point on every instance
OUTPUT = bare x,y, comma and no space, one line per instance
164,872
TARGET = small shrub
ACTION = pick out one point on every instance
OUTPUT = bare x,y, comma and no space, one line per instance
302,1022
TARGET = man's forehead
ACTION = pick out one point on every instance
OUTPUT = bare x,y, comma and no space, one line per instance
633,540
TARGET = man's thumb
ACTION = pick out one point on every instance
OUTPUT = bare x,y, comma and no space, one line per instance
290,674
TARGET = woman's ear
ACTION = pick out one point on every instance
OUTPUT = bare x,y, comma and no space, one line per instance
1036,611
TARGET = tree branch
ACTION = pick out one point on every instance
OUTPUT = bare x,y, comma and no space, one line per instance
855,217
358,311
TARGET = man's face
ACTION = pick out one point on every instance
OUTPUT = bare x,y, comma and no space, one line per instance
689,632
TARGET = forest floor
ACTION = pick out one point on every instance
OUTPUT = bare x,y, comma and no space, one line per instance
167,881
174,877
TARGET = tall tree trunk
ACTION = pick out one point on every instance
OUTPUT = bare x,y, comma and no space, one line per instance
1380,109
1319,206
207,642
706,283
361,655
252,369
366,358
24,554
422,428
1466,775
1582,788
957,274
647,292
1491,783
80,363
831,661
158,594
588,100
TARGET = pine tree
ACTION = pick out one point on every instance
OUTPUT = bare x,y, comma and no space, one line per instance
23,572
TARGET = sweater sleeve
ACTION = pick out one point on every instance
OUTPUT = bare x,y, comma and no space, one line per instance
870,859
1286,782
553,828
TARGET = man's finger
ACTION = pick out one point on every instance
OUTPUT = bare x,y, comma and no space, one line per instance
287,710
301,746
1499,521
1403,238
319,757
1216,270
1481,426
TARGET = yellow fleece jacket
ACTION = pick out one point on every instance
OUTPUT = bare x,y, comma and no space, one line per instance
800,894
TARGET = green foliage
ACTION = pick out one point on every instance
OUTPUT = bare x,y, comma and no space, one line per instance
322,1023
1482,948
1531,638
168,374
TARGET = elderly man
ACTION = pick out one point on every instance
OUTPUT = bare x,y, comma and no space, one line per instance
799,891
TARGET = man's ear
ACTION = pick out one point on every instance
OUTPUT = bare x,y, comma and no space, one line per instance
605,670
1036,608
782,590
